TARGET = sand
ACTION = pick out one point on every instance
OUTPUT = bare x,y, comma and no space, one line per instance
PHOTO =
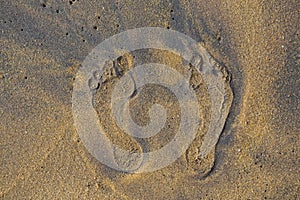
43,44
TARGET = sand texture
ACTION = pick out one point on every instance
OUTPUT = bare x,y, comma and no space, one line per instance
42,46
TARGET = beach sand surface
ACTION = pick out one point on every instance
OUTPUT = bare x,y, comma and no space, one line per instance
42,46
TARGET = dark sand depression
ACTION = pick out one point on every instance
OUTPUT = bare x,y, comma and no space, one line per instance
43,44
